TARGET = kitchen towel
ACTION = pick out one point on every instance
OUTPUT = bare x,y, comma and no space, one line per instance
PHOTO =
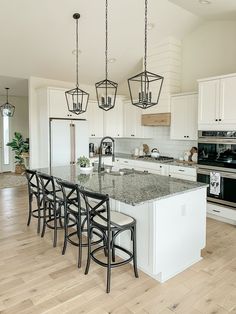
215,183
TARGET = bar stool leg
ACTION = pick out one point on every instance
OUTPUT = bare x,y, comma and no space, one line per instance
65,234
89,249
55,226
39,214
79,231
108,263
134,252
113,247
44,218
30,209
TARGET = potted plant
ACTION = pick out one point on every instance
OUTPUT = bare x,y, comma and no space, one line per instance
84,164
19,146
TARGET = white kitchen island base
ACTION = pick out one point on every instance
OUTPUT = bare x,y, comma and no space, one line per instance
171,232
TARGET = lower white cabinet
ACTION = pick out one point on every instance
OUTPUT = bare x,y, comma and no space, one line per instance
184,116
184,173
221,213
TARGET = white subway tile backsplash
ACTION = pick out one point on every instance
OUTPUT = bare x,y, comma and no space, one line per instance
161,141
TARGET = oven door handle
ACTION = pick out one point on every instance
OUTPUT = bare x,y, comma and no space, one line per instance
222,174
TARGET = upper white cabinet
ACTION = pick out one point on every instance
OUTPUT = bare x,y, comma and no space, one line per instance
95,119
113,119
184,116
132,122
216,108
57,104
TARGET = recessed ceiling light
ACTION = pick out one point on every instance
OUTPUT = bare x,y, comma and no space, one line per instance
111,60
150,26
204,1
74,52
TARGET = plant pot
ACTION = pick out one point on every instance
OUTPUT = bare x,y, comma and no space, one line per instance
19,169
86,170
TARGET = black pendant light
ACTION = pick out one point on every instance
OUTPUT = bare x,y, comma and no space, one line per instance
77,99
7,110
145,87
106,89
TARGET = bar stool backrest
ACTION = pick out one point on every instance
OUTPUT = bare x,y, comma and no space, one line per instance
70,193
33,181
47,185
97,204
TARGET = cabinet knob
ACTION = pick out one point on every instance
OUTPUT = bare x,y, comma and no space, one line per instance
216,119
219,119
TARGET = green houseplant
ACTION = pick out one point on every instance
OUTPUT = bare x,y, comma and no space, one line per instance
84,164
19,146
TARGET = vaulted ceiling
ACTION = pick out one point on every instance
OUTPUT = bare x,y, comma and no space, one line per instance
37,37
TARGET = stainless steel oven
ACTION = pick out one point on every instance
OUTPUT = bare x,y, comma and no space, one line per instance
217,153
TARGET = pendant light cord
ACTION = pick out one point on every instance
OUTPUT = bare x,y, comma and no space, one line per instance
145,40
106,44
7,93
77,54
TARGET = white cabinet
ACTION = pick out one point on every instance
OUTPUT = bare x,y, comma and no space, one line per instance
95,120
57,104
184,117
113,119
184,173
216,107
132,122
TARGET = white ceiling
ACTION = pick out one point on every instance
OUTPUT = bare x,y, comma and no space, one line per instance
37,37
217,9
18,87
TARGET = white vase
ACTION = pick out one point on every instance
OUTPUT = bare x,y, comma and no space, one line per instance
86,170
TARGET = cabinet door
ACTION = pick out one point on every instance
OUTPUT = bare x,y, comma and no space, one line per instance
58,105
95,119
130,120
179,118
208,106
113,120
227,101
192,107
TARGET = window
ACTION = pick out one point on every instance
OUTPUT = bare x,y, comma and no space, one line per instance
6,139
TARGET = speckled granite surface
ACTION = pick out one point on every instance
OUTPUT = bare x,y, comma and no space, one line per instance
132,188
172,163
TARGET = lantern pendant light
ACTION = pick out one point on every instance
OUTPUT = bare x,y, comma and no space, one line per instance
106,89
77,99
145,87
7,110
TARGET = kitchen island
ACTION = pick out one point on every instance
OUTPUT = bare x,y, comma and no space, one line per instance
170,215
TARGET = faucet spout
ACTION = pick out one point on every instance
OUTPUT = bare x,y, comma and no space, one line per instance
100,151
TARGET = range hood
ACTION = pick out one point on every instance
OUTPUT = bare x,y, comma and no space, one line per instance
156,119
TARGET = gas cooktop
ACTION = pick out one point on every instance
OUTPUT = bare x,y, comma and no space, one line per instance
160,158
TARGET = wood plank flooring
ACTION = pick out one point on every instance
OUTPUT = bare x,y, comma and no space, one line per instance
36,278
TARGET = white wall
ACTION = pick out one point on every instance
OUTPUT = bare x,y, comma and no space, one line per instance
34,84
208,51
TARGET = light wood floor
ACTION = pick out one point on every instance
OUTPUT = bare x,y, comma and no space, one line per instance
36,278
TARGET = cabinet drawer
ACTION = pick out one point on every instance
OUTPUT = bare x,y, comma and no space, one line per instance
220,211
183,170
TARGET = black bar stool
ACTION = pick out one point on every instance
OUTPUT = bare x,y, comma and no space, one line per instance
52,205
74,206
34,190
110,224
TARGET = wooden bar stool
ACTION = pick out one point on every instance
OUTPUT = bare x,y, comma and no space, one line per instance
110,224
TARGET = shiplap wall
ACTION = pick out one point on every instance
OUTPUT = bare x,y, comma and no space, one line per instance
165,59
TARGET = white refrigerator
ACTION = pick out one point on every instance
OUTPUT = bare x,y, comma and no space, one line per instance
68,141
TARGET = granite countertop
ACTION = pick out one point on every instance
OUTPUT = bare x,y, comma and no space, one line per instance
133,188
174,162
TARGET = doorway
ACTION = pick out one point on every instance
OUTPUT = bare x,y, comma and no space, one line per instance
5,135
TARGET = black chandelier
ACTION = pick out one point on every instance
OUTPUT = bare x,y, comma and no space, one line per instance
7,110
77,99
106,89
145,87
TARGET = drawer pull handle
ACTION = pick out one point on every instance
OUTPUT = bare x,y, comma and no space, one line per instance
216,211
181,170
